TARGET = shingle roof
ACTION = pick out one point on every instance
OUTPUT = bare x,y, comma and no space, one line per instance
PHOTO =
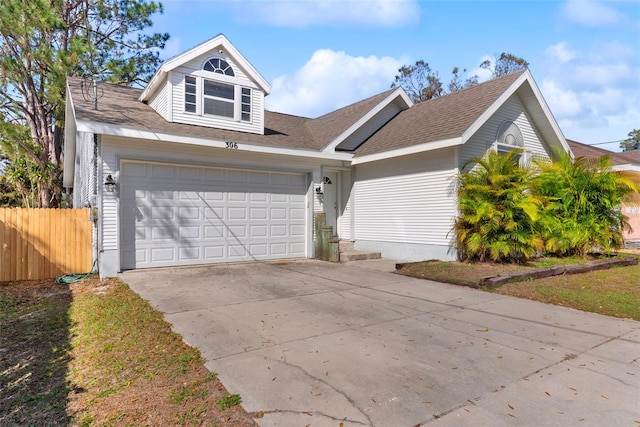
119,105
588,151
437,119
328,127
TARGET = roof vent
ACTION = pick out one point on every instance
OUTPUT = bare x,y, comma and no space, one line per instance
509,134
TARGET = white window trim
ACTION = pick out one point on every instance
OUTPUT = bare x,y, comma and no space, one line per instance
525,157
200,96
233,101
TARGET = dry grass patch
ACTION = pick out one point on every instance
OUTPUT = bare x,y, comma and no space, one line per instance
95,353
614,292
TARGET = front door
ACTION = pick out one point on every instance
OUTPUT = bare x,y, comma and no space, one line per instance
330,181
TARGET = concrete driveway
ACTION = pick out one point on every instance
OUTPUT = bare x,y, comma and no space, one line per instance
320,344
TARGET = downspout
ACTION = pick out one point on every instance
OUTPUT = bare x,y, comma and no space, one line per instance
94,201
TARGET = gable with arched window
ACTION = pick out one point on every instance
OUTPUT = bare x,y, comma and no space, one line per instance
215,91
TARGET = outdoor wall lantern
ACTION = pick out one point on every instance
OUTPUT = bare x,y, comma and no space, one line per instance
110,184
319,191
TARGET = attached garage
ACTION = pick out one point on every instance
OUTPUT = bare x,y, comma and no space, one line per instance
176,215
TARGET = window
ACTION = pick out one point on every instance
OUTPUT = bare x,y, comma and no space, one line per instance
246,104
190,102
205,94
220,66
218,99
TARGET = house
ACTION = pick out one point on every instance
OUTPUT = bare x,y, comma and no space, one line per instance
628,161
192,169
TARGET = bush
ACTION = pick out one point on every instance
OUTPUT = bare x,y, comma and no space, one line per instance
508,213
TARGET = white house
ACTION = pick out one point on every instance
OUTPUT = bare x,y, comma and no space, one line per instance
194,170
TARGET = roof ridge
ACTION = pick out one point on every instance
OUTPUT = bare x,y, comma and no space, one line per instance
479,85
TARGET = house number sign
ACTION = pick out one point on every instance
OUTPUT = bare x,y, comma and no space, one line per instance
232,145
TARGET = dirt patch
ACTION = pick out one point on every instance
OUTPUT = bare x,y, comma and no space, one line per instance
48,377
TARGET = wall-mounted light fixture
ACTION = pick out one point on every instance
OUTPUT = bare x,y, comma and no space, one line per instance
110,184
319,191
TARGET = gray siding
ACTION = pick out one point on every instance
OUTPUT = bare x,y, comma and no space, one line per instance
409,199
485,137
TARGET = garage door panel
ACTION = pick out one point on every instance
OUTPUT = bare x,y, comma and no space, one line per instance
181,215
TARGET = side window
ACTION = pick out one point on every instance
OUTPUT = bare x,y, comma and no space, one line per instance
246,105
190,97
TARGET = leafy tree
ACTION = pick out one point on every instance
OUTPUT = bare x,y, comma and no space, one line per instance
632,142
582,209
42,42
497,215
9,197
506,63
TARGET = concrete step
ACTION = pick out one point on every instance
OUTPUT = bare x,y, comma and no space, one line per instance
358,255
346,245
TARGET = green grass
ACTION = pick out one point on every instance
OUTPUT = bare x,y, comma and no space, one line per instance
76,356
613,292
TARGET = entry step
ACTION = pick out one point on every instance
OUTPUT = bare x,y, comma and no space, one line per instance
348,253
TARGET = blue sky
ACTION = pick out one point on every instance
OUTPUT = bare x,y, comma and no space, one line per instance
320,55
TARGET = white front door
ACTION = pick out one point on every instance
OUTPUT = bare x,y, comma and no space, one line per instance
330,180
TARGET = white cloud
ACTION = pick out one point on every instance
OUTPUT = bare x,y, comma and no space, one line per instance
330,80
306,13
598,75
560,52
483,74
564,103
591,13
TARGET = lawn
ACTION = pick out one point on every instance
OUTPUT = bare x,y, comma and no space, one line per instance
614,292
95,353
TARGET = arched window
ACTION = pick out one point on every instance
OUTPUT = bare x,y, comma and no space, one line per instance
218,65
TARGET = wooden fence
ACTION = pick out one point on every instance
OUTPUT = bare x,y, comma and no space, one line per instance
44,243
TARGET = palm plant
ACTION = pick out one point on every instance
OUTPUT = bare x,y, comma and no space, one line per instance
582,213
497,212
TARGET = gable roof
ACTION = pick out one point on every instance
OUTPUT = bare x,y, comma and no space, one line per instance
328,127
219,42
454,118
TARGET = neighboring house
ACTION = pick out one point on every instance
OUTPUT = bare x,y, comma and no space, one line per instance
628,161
203,174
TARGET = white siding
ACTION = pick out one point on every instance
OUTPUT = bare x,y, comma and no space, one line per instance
84,179
369,128
176,83
197,63
160,101
483,139
407,200
346,204
115,148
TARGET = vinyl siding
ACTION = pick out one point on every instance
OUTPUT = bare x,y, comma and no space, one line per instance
160,101
115,148
176,80
512,110
346,204
84,179
408,199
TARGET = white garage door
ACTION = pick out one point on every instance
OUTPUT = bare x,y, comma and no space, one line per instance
181,215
